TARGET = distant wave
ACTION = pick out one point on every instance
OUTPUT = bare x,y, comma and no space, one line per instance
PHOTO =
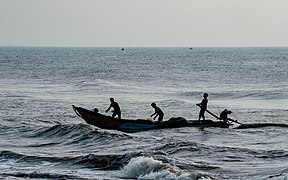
99,82
236,94
266,95
84,84
172,103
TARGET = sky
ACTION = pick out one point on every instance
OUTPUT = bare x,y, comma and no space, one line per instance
133,23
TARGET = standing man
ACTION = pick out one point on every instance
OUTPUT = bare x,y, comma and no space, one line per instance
158,112
203,107
116,108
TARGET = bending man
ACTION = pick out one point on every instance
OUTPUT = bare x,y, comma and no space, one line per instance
158,112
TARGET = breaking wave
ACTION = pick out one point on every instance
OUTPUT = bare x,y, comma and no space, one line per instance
149,168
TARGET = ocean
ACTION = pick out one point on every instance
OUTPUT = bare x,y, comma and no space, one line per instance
43,138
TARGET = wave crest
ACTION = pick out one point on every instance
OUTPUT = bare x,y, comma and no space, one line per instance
149,168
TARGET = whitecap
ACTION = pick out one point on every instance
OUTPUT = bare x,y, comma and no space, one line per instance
149,168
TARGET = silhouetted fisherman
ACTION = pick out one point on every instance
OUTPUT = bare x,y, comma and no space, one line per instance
224,115
116,108
203,107
158,112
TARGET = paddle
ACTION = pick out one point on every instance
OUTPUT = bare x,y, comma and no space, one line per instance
213,114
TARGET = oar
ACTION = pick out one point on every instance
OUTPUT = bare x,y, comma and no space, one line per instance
213,114
229,119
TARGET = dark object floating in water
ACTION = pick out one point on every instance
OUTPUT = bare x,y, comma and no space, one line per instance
128,125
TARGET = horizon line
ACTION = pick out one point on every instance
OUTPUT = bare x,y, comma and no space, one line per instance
87,46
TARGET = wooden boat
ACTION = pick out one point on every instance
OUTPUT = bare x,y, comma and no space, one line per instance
128,125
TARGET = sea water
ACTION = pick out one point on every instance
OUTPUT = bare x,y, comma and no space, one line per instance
43,138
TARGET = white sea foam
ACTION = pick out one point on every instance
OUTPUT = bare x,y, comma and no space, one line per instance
149,168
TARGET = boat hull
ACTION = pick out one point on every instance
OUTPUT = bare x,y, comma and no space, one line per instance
127,125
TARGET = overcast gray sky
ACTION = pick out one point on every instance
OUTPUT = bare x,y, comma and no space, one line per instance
144,23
